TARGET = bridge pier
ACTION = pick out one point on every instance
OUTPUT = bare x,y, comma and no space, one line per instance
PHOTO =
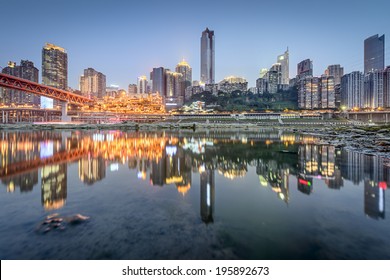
64,111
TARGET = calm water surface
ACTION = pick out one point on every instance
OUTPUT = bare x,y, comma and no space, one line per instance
133,195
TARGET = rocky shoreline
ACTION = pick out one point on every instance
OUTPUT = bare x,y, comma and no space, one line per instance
368,140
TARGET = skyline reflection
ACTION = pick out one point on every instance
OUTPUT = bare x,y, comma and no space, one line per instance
31,158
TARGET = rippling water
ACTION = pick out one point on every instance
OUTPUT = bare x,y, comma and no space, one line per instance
131,195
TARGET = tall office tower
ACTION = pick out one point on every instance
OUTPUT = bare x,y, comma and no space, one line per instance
142,85
373,89
93,84
132,89
54,71
386,87
184,69
207,57
374,53
158,77
327,92
283,59
207,195
173,84
352,90
336,71
25,70
309,93
304,69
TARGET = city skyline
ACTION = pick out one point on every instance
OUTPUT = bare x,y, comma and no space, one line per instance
244,44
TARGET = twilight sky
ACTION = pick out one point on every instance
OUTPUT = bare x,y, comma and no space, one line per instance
126,39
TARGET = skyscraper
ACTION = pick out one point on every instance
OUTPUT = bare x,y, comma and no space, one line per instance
207,57
327,92
352,90
309,93
93,84
184,69
336,71
283,59
54,71
304,69
26,70
173,84
274,77
374,53
373,89
142,85
386,87
158,78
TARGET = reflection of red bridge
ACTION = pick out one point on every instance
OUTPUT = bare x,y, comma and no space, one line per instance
19,168
12,82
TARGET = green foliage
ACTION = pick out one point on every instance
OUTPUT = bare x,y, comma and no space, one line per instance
247,101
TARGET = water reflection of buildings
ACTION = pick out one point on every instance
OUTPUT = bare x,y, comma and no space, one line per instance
170,160
92,170
276,176
24,182
370,169
318,161
173,168
54,186
207,195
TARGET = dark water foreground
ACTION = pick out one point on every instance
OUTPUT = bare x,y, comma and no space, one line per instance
133,195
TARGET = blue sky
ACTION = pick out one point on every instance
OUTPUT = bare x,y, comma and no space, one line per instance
126,39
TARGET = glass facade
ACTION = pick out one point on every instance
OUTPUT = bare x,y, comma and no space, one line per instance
374,53
207,57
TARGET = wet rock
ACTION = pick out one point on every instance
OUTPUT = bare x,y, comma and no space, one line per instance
55,222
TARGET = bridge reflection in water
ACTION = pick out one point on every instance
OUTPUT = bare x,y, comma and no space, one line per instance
28,158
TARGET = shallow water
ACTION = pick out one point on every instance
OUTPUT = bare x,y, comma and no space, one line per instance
263,195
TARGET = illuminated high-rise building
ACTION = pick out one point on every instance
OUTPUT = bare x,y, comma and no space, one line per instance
93,84
309,93
352,90
274,77
327,92
283,59
173,84
184,68
158,77
374,53
336,71
54,71
142,85
316,93
207,57
26,70
373,89
386,87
